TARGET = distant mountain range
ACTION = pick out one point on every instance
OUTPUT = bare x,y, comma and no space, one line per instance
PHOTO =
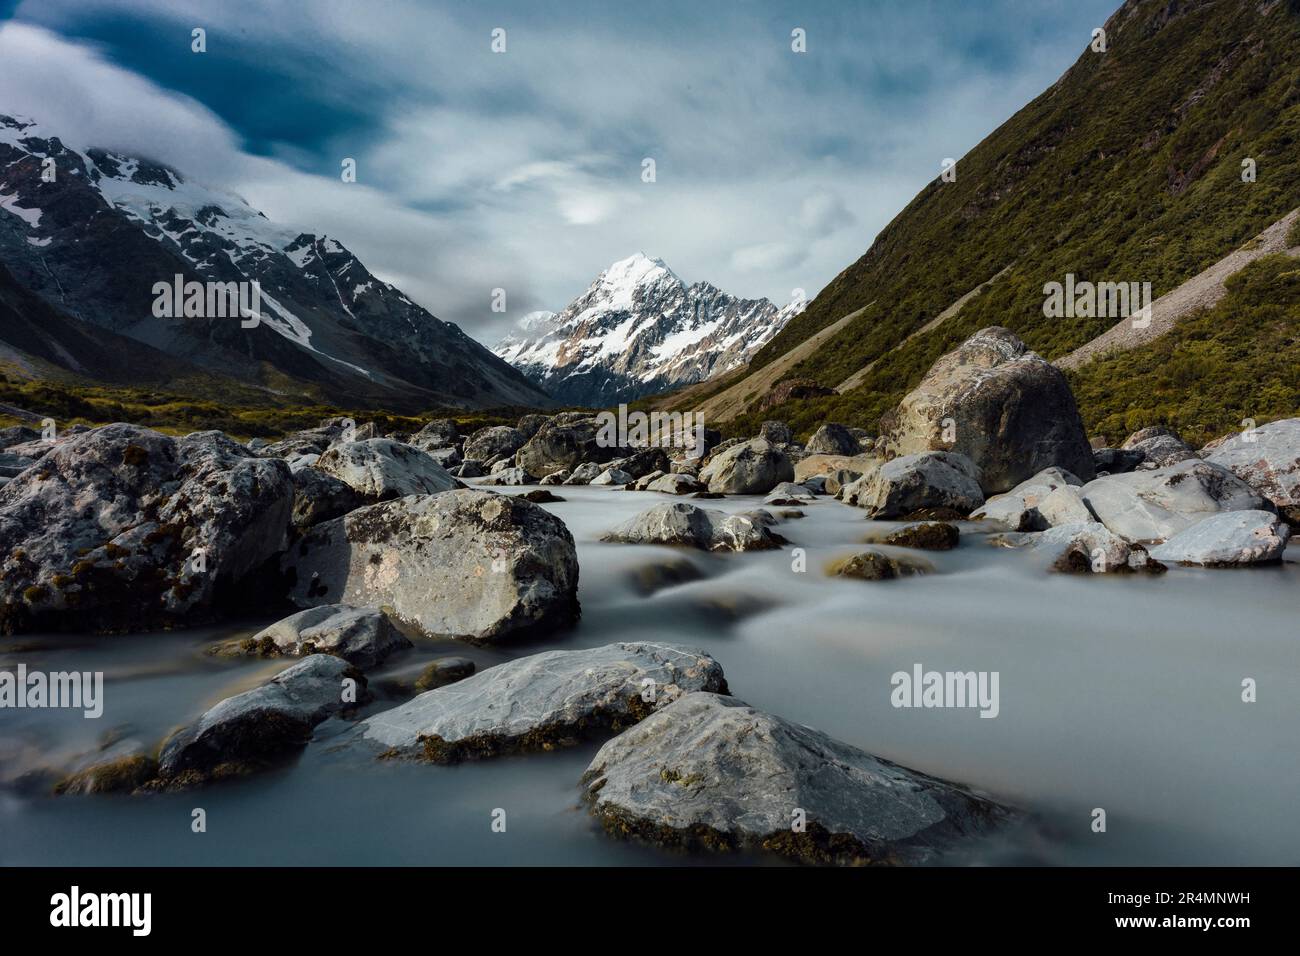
85,236
638,330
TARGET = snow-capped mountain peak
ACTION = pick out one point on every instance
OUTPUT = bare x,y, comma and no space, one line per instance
638,329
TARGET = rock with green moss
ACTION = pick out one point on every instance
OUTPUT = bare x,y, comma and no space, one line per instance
121,767
872,564
709,772
444,671
924,535
540,702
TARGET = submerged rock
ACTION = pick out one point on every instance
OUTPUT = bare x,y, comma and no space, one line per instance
872,564
120,768
1228,538
712,773
543,701
923,535
444,671
680,523
464,564
259,727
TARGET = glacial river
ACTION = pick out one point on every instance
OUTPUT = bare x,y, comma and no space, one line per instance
1116,693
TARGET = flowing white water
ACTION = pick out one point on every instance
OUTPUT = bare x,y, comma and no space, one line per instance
1122,693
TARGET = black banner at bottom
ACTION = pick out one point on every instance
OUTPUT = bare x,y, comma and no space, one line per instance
336,905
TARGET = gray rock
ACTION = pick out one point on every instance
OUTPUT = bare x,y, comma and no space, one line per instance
1064,505
542,701
510,477
439,433
837,479
584,473
469,468
565,442
362,636
1151,506
1086,546
644,462
380,469
675,484
816,484
320,497
259,727
1227,538
775,433
495,441
1017,509
530,425
1116,461
711,772
1268,459
832,439
679,523
123,528
465,564
17,435
1007,409
789,494
447,458
612,476
1159,447
643,483
555,478
754,467
913,483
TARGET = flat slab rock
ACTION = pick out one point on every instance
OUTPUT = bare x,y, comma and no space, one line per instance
542,701
1228,538
711,772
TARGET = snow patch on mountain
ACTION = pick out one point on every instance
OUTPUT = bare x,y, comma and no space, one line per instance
638,329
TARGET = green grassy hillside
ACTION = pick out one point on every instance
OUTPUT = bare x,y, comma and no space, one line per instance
1127,169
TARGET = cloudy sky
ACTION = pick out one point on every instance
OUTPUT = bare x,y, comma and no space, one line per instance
523,170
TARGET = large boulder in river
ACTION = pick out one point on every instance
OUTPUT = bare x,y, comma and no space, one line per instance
710,772
123,528
679,523
564,443
555,698
1006,408
753,467
1266,458
466,564
380,469
1228,538
259,727
934,481
1151,506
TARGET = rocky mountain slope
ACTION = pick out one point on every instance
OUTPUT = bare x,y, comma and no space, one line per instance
85,236
637,330
1128,169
